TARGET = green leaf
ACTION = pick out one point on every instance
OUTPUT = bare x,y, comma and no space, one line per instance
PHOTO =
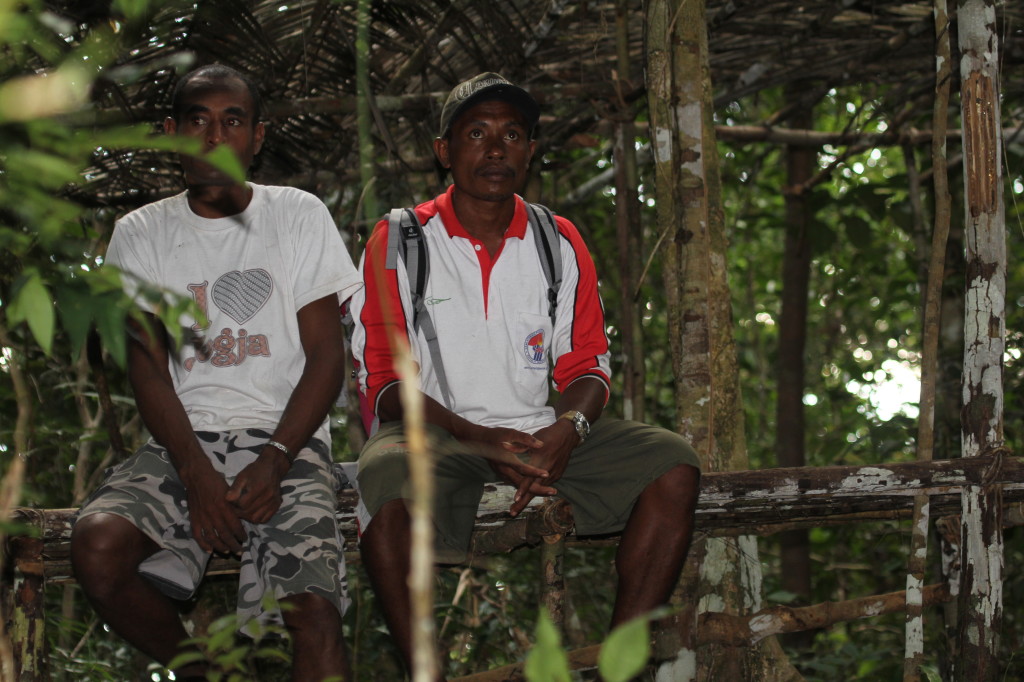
858,231
269,653
34,96
48,170
105,279
175,143
221,634
233,659
109,316
132,9
223,157
547,661
76,311
624,654
185,658
31,303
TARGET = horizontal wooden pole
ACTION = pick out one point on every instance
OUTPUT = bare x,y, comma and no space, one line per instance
746,630
759,502
427,104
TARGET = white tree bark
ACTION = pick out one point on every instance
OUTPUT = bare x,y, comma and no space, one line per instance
984,334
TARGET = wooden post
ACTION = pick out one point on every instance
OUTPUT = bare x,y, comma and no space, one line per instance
628,228
552,553
27,625
984,333
914,649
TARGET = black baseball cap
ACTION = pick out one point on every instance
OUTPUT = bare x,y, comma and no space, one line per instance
483,87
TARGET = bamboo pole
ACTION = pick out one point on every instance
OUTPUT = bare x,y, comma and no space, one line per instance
421,480
367,171
914,648
10,495
421,565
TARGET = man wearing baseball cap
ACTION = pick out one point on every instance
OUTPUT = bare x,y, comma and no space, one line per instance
486,378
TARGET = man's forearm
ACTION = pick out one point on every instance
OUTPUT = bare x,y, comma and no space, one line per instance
390,408
309,403
161,409
586,394
322,376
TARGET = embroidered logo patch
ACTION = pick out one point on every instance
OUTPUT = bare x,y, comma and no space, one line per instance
241,294
533,348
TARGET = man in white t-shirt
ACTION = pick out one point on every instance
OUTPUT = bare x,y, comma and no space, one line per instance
488,298
239,461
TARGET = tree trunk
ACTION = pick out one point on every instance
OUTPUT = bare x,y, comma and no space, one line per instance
627,210
789,410
984,333
710,414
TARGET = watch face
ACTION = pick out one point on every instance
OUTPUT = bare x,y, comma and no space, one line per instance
579,422
582,427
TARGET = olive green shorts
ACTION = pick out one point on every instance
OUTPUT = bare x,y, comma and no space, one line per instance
605,476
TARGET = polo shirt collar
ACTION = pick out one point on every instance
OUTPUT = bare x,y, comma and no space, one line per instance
446,209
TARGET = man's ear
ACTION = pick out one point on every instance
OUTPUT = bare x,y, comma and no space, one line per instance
259,134
441,151
170,126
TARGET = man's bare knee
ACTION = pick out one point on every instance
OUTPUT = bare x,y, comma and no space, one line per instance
391,518
311,617
104,546
681,482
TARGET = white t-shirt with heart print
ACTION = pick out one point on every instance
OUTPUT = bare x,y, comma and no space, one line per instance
250,273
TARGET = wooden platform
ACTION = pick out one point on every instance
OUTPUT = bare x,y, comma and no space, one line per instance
758,502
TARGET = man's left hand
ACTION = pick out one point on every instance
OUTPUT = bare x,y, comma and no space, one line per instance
558,440
256,492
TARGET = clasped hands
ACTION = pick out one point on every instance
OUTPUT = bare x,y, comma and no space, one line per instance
547,454
217,509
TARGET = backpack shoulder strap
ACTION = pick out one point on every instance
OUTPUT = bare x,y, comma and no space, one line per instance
406,242
545,233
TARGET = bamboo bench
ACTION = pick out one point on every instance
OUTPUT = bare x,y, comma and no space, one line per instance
41,555
757,502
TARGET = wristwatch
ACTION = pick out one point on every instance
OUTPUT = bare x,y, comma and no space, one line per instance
579,422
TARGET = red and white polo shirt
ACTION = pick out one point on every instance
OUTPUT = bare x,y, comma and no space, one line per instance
491,316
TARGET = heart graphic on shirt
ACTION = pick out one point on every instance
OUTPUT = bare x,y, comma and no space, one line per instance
241,294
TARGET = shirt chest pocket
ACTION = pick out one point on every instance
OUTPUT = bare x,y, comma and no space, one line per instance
532,342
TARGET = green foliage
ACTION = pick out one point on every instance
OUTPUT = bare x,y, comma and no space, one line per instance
31,303
83,651
625,652
52,248
231,659
547,661
623,655
864,317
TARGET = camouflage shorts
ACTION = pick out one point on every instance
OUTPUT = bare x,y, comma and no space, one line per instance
300,550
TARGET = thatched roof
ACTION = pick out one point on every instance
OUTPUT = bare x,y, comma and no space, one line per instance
302,52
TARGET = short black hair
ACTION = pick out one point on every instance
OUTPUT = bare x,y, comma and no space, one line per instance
216,72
